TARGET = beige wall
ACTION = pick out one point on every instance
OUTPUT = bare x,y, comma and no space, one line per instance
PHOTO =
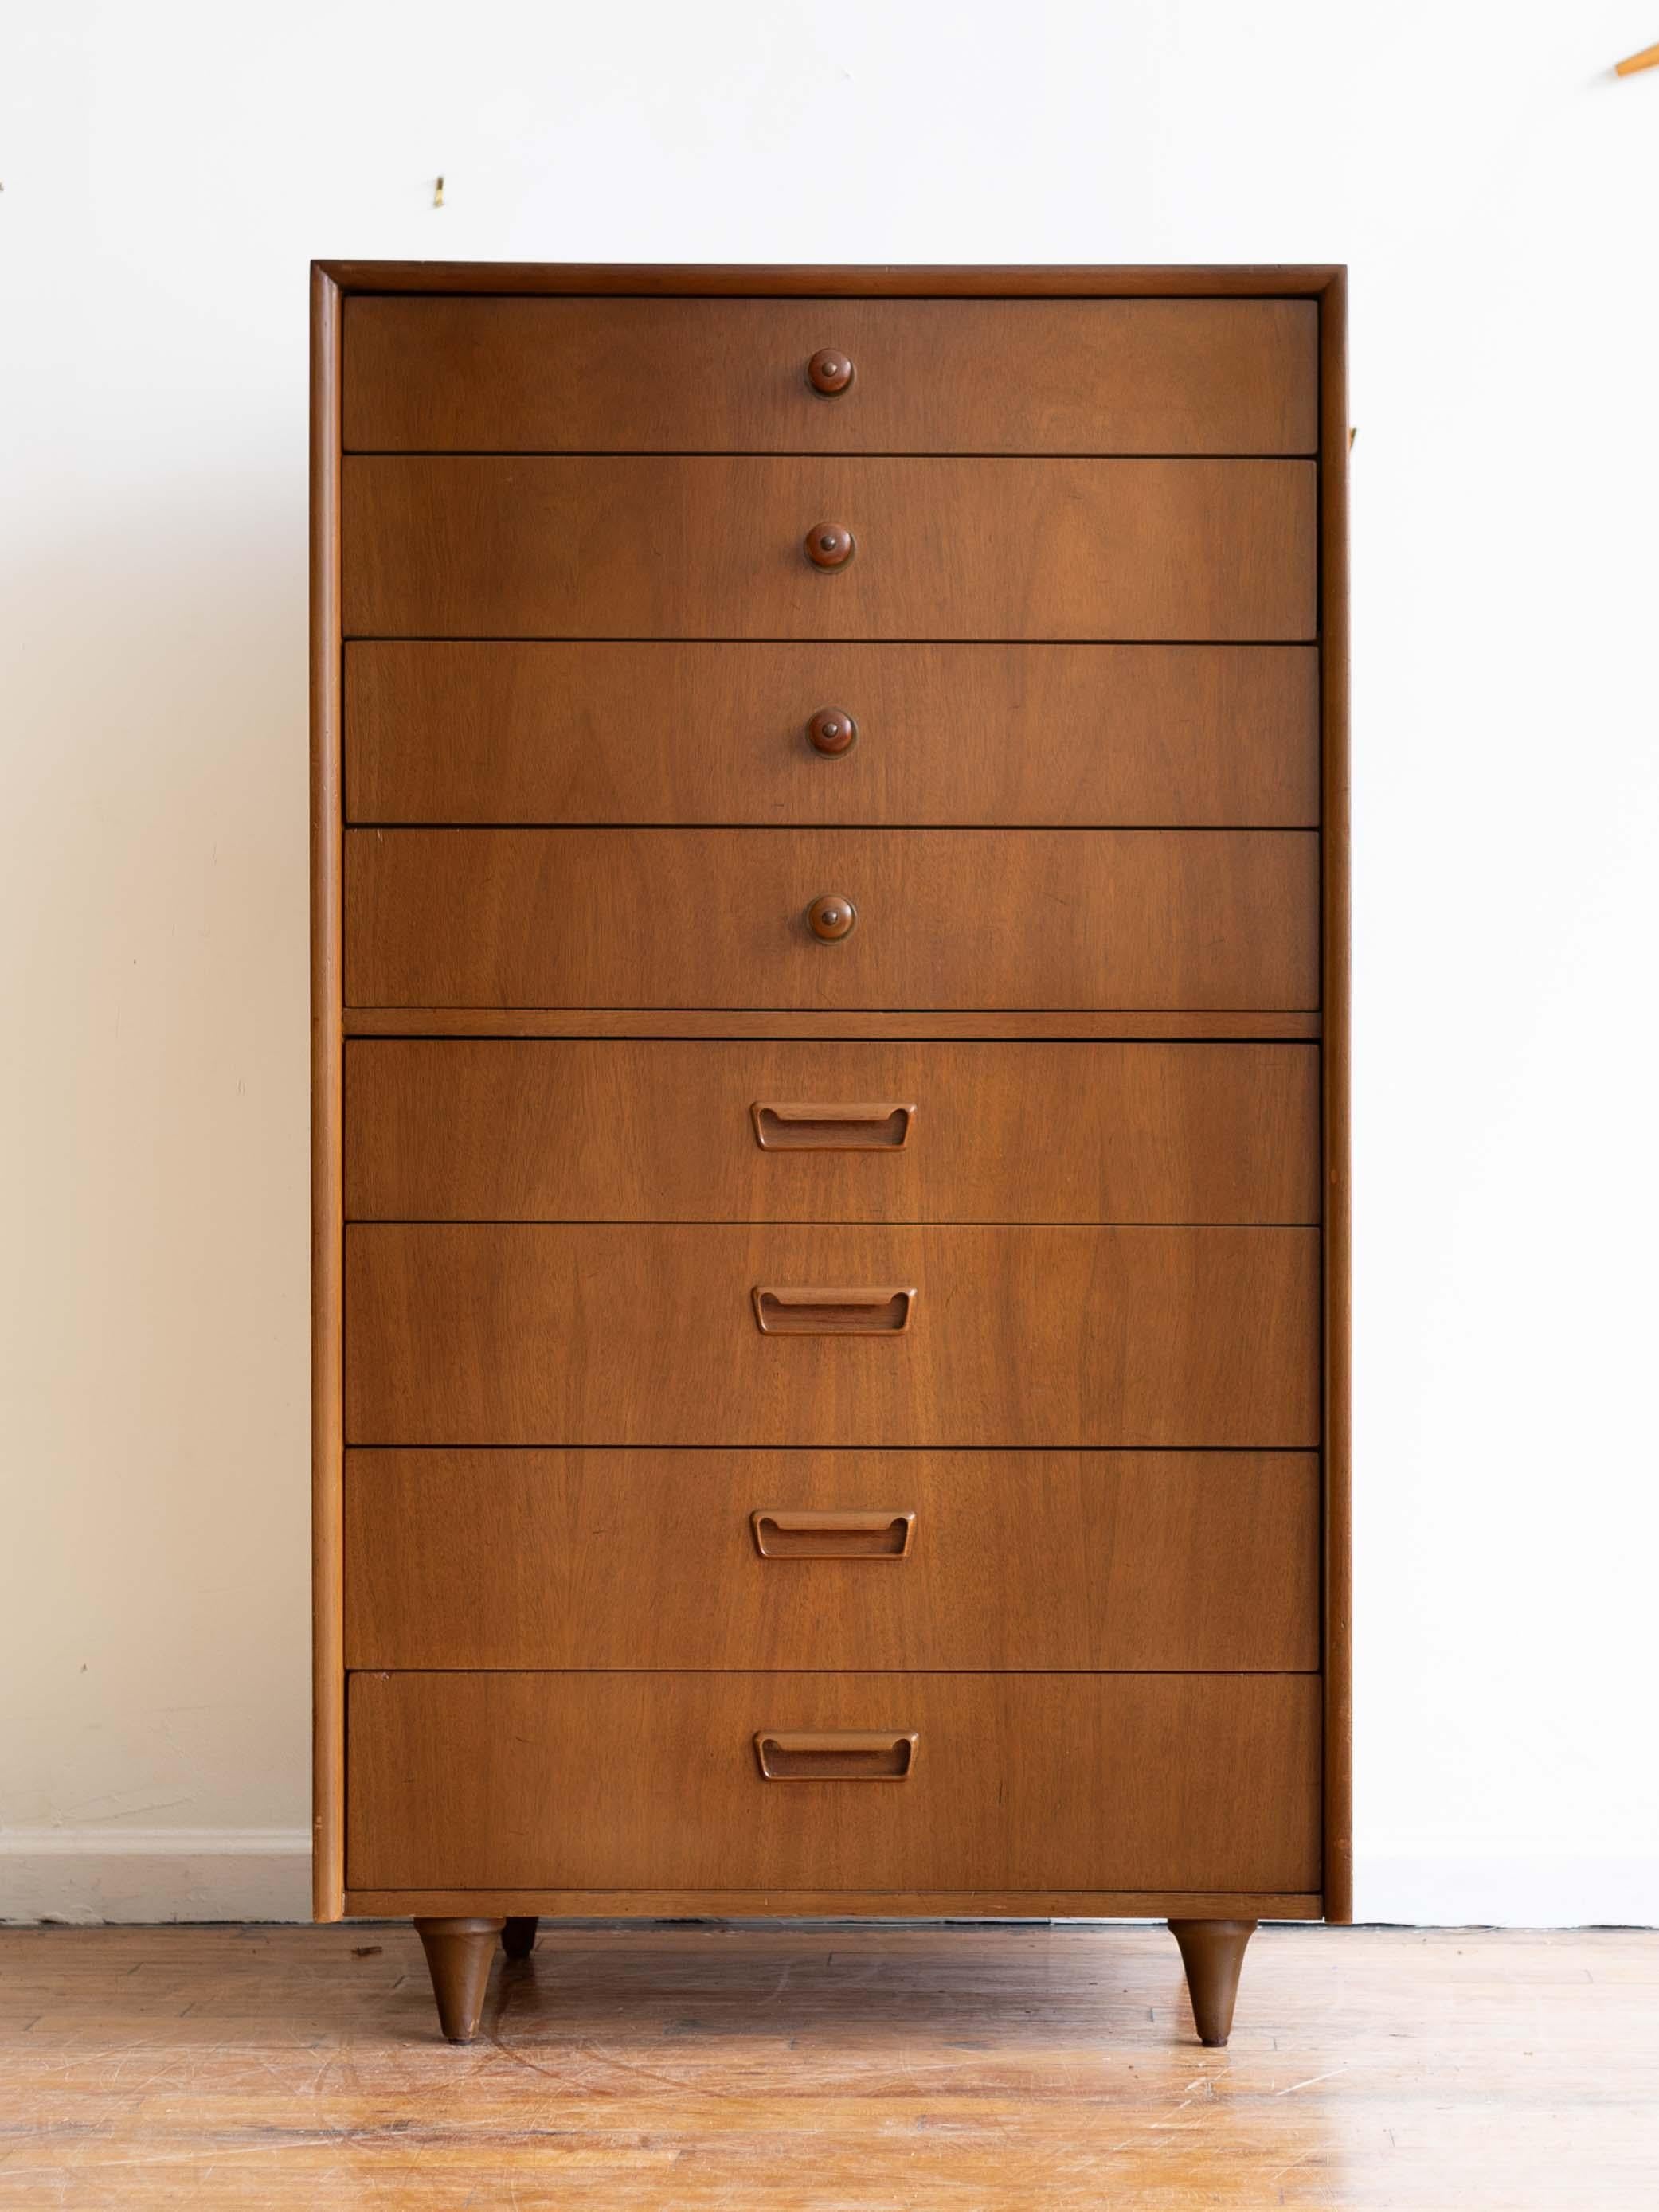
168,171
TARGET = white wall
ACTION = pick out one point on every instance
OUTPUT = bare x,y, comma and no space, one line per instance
167,172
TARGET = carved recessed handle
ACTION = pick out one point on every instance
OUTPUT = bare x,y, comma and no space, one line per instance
813,1128
797,1309
837,1755
830,372
784,1535
831,917
828,546
831,731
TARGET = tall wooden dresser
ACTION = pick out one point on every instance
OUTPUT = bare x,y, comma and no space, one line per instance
830,799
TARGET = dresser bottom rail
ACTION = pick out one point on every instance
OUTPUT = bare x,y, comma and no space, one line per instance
834,1904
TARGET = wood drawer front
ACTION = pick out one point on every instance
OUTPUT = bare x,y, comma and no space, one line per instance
652,1130
615,1334
638,547
1159,1561
947,918
653,1781
941,376
1078,736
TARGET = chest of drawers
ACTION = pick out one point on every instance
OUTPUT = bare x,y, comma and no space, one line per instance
830,1060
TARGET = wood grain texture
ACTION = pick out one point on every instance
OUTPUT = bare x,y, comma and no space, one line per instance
327,1204
947,918
653,1130
1076,736
711,547
1065,1781
1335,988
808,2069
1006,1025
427,374
1158,1561
623,1335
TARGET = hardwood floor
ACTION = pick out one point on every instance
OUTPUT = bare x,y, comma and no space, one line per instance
828,2067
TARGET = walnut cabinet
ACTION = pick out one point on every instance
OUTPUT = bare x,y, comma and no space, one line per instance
830,1069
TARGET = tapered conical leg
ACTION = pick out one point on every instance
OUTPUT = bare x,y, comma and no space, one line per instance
457,1955
1213,1951
518,1934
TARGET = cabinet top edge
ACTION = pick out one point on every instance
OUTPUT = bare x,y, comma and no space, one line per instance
1294,280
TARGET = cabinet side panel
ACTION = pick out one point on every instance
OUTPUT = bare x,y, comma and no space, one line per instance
1334,592
328,1681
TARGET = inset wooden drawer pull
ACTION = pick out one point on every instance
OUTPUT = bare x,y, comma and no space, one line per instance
808,1128
836,1755
788,1535
782,1311
831,917
829,372
828,546
832,732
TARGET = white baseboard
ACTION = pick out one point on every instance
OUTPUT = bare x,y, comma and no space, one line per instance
1476,1884
84,1876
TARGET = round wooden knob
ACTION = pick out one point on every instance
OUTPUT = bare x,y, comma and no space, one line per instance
828,546
831,731
831,917
829,372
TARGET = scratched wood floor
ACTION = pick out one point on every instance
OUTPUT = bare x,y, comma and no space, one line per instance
828,2067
